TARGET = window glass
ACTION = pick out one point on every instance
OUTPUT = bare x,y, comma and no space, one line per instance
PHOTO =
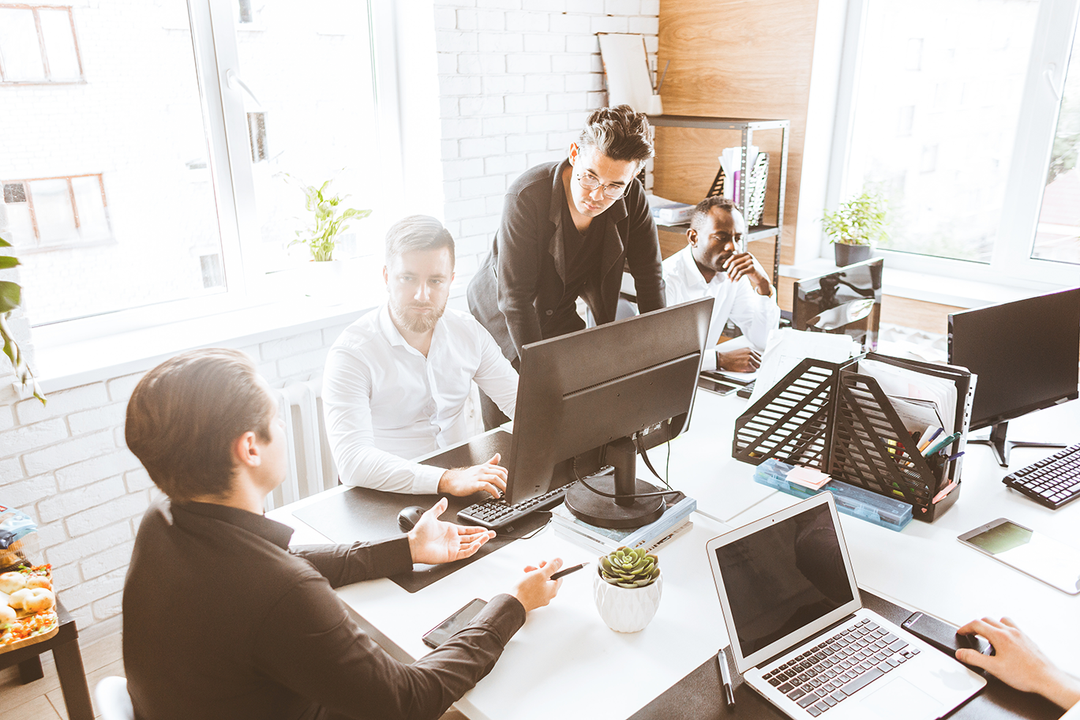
121,205
1058,234
937,97
59,43
310,119
19,47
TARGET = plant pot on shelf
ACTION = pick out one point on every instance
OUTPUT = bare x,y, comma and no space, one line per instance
850,254
626,610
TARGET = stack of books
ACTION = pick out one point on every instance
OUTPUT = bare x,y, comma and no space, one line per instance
674,522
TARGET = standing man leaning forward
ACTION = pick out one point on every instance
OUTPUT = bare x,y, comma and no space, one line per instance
223,620
397,379
567,231
715,264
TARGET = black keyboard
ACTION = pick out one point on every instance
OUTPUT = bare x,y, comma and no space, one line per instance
497,514
1052,481
828,673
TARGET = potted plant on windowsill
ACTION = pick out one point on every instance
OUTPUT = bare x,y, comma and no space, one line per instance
855,226
627,588
10,300
324,276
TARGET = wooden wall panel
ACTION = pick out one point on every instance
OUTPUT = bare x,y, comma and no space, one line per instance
733,58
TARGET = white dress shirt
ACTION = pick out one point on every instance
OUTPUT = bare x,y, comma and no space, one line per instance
756,315
385,402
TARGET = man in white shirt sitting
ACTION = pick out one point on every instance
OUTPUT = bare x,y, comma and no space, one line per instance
397,379
715,264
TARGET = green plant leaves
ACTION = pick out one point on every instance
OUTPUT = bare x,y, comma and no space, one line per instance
330,215
10,300
630,568
860,221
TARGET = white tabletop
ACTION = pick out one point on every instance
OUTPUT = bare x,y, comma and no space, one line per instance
556,662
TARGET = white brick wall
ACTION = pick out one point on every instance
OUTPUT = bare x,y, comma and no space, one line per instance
517,80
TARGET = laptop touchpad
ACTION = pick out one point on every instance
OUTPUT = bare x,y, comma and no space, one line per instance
903,701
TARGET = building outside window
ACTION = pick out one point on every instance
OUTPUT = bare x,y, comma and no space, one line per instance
46,213
38,44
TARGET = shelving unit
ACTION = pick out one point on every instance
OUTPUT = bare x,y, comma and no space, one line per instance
747,127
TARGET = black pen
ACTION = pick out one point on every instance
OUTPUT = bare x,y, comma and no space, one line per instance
566,571
725,676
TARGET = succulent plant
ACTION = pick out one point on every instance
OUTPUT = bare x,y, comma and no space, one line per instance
629,568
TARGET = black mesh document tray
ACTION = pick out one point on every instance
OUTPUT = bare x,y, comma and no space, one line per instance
828,416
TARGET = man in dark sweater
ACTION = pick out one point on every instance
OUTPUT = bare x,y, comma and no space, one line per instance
568,229
223,620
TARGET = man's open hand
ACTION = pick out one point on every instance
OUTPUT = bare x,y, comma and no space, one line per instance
433,541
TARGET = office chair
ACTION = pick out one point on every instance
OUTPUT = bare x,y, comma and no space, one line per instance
113,701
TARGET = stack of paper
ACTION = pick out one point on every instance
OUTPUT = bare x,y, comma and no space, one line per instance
669,212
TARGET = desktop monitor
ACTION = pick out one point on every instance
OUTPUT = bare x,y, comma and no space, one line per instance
1025,354
586,399
846,301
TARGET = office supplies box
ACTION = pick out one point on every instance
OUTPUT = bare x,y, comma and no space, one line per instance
883,511
832,417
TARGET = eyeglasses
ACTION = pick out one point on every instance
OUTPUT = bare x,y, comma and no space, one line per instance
590,182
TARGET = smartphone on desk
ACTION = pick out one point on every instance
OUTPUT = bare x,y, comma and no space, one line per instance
451,625
942,635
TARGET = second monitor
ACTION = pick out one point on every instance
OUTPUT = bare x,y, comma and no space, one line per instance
603,393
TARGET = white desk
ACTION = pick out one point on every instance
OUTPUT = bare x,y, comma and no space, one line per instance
564,654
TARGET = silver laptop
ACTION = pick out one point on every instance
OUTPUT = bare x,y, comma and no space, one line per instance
800,636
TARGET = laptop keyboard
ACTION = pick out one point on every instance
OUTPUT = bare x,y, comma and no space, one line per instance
833,670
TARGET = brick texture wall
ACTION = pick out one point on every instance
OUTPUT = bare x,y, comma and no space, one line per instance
517,80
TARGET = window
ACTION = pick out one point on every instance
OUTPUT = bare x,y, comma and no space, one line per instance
38,45
1057,236
46,213
152,185
952,122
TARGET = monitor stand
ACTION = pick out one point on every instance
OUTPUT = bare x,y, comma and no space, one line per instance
1001,446
620,513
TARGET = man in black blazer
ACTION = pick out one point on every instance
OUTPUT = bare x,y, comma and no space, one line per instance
568,230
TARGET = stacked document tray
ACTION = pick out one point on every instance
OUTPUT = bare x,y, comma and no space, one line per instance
827,416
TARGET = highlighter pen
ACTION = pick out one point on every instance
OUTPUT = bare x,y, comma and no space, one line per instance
725,676
941,444
566,571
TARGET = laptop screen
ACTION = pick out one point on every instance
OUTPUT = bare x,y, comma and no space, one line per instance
783,577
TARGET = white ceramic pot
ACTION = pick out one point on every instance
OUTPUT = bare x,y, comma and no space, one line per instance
627,610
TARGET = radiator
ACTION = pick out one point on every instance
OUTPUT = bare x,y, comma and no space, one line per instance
310,466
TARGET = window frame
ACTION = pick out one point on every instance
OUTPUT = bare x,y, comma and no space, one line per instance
43,50
46,245
1010,264
214,27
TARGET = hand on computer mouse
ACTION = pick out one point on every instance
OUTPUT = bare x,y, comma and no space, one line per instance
1018,662
537,588
487,477
434,541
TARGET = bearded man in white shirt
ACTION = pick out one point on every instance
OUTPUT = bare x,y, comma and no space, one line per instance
715,264
397,379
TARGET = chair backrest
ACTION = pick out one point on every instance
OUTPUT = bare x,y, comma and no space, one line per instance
113,701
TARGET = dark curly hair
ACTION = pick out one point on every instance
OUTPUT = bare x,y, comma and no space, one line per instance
619,133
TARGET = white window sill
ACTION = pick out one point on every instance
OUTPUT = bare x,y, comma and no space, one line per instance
60,365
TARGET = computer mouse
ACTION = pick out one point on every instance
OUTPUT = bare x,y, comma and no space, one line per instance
408,517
